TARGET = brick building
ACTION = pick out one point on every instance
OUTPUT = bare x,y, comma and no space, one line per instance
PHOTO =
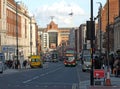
113,13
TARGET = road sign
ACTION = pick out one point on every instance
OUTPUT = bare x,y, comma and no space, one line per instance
4,48
99,73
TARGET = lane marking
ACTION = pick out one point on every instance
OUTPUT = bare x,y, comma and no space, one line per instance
74,86
29,80
36,77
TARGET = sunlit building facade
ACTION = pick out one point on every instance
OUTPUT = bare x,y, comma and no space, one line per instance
9,18
53,37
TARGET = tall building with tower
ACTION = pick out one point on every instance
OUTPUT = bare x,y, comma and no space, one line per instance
53,37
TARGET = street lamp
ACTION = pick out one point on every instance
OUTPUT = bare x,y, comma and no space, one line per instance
92,38
30,35
100,26
108,83
17,32
108,35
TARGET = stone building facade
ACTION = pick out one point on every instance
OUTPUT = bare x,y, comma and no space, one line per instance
117,34
11,14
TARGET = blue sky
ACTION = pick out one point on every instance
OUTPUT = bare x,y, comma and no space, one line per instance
43,10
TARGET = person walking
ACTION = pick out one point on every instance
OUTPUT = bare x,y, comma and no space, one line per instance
17,64
25,63
97,63
116,66
112,62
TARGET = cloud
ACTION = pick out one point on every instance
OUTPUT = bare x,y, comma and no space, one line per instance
60,11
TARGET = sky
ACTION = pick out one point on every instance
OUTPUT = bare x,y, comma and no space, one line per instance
59,11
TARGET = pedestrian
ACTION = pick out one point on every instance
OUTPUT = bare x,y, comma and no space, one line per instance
116,66
102,62
17,64
97,63
25,63
13,64
111,62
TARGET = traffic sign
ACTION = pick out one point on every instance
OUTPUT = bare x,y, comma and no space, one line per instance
99,73
4,48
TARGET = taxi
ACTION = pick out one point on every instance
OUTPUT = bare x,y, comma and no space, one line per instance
35,61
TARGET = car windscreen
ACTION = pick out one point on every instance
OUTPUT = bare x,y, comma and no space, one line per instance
34,60
70,58
87,58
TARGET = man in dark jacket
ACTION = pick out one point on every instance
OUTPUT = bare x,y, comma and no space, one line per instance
25,63
97,63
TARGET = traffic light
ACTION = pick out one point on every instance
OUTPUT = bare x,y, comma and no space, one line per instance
90,33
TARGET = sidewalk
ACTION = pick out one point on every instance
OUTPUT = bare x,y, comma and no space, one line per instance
115,84
103,87
10,71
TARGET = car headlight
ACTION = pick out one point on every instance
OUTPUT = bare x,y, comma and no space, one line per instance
87,65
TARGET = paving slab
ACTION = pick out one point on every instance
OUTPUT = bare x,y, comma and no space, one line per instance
103,87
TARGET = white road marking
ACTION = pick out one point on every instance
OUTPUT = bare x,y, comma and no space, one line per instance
74,86
36,77
27,81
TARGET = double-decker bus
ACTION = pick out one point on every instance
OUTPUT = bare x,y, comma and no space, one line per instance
70,59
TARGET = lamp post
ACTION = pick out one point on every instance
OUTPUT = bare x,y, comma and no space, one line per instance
100,27
108,82
30,35
108,50
92,38
17,32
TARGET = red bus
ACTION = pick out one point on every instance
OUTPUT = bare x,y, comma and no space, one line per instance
70,59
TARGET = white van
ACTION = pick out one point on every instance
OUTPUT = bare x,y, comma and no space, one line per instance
86,65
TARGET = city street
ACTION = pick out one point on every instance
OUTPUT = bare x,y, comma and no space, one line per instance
59,44
51,76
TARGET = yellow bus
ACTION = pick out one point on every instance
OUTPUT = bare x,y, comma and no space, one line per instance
35,61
